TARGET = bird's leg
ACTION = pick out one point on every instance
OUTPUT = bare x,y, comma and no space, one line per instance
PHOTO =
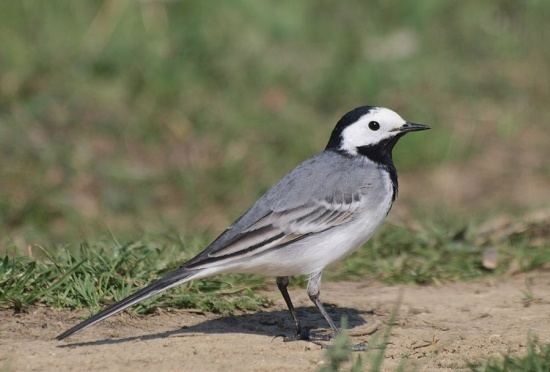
301,333
313,290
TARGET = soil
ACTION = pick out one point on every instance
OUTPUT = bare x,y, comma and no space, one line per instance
438,328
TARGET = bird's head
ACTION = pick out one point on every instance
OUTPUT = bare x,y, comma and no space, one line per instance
371,131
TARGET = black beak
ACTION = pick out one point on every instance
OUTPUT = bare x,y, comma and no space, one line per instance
412,127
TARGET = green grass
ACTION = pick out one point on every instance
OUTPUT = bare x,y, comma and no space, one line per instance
537,359
339,353
97,273
435,253
93,275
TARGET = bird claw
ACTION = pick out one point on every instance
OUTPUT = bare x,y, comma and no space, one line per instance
323,337
362,346
302,334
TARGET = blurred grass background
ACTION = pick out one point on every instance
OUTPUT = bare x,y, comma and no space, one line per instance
127,117
132,132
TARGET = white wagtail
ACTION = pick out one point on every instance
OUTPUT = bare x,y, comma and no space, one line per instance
321,211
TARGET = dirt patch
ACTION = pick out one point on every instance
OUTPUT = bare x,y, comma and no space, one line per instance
438,328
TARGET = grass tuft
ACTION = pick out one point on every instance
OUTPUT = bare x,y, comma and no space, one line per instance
94,275
537,359
340,353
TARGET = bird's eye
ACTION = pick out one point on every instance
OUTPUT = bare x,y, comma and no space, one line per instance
374,125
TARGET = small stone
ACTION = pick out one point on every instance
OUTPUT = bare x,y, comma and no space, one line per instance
490,258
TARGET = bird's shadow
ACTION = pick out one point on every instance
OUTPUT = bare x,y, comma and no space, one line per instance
268,323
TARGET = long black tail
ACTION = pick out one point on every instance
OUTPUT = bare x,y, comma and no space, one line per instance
177,277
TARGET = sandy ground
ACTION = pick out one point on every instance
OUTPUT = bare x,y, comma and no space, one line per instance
437,328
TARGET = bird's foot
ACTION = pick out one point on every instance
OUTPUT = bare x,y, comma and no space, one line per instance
320,339
302,334
305,334
362,346
322,335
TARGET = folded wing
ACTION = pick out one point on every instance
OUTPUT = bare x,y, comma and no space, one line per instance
278,228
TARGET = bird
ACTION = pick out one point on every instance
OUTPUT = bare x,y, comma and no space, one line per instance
318,213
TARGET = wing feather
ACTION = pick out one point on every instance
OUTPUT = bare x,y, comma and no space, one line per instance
282,227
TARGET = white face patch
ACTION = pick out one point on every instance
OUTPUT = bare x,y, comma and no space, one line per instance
359,134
